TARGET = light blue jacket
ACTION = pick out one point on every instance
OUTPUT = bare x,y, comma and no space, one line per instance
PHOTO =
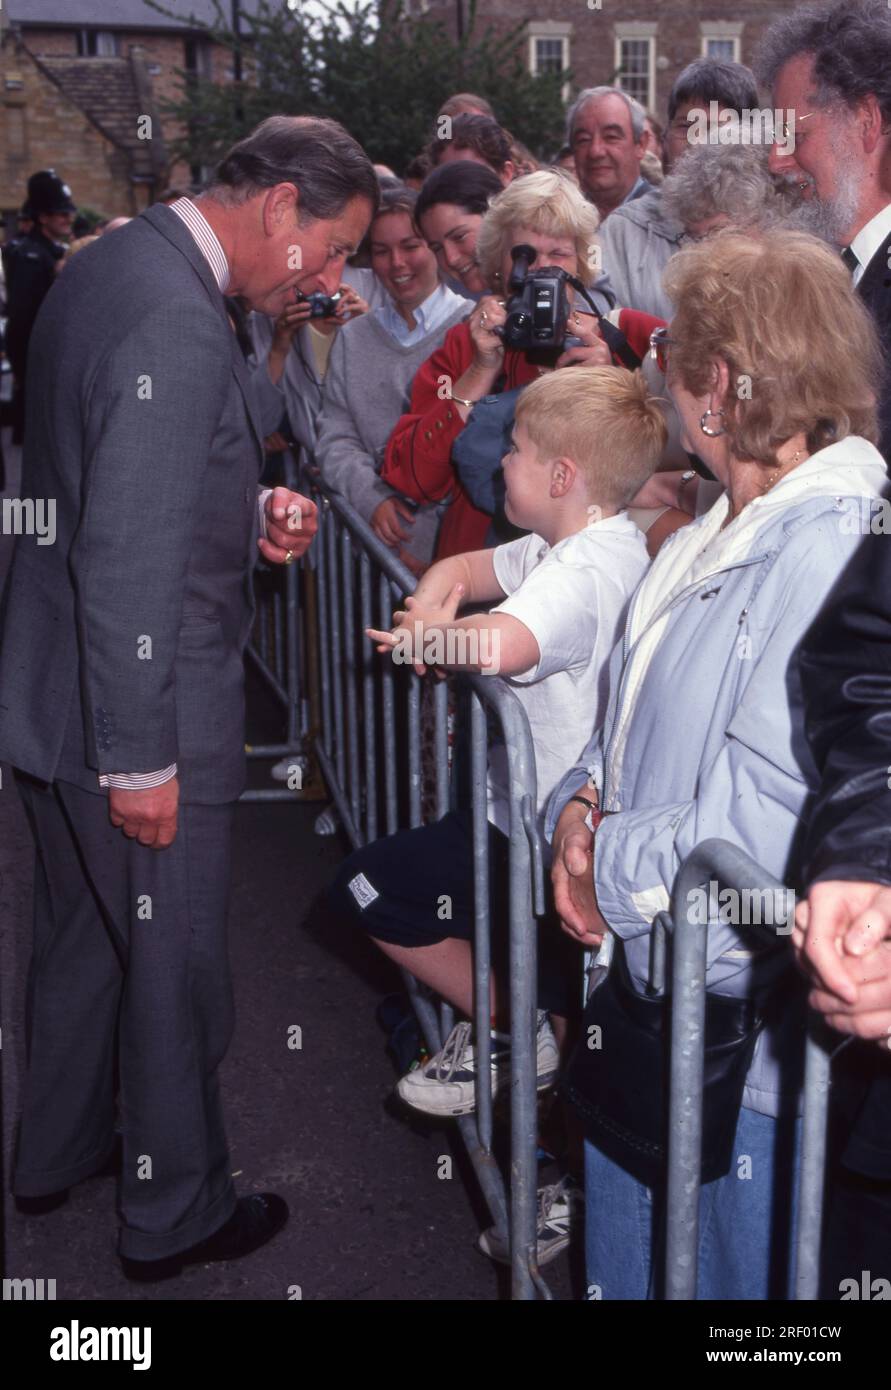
715,743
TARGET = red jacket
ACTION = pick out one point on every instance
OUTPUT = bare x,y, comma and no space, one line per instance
418,461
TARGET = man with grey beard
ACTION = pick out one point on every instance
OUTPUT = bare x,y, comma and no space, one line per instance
831,66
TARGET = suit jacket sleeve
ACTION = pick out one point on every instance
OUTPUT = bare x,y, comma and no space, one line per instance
152,413
846,676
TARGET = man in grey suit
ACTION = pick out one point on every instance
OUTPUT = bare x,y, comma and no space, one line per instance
121,676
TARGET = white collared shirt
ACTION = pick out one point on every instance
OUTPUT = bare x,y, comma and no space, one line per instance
206,240
869,239
436,308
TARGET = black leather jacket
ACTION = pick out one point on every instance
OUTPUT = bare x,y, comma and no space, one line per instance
846,676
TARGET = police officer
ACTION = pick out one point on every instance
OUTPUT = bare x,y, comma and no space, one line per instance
31,269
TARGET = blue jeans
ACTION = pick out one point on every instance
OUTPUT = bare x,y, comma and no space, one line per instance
745,1222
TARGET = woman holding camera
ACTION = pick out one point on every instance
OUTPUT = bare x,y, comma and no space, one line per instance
547,212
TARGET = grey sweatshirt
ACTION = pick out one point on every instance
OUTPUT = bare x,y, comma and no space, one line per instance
637,242
367,389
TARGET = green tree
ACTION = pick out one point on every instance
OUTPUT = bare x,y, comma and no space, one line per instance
379,73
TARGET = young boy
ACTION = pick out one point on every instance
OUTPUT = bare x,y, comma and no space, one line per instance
585,439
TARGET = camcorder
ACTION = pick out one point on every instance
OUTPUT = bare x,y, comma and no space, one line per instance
321,306
539,308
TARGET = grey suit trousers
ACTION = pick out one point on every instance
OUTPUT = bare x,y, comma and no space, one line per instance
130,967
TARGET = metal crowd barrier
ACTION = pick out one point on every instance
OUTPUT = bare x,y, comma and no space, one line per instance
726,863
275,652
363,702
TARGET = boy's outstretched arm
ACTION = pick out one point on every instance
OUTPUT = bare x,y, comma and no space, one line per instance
474,571
492,644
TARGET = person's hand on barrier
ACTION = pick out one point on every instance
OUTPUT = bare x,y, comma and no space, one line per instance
411,625
842,939
572,877
385,521
593,352
147,816
275,443
870,1016
291,523
837,921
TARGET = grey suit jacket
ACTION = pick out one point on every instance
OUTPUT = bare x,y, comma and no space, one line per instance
121,644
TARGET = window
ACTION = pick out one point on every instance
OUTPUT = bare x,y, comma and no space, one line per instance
549,49
724,50
721,40
634,75
548,55
97,43
635,61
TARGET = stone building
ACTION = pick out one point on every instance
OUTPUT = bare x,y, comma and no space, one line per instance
82,83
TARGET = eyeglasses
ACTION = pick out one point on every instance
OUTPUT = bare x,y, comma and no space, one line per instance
659,344
786,130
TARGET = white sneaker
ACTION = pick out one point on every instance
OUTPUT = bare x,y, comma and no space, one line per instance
560,1213
446,1084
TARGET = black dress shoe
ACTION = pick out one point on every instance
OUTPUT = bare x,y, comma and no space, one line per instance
51,1201
255,1220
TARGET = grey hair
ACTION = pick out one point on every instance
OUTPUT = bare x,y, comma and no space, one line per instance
323,161
850,41
635,110
733,180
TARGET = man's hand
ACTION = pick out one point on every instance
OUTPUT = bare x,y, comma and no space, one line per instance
572,876
870,1017
385,521
291,523
842,938
147,816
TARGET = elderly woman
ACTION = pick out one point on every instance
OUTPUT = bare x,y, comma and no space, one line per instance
716,186
547,212
711,638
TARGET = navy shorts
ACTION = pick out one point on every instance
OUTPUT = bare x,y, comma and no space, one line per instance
415,888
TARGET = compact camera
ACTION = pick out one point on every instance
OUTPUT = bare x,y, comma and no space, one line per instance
538,311
321,306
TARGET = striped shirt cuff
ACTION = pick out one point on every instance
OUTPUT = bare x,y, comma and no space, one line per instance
137,781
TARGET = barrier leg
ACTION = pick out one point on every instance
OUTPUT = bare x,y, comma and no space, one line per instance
685,1110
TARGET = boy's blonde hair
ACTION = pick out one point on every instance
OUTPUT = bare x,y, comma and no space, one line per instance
605,420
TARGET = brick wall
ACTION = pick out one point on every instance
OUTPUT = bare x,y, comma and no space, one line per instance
54,43
40,128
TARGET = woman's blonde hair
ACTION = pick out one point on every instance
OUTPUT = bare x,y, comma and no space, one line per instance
545,202
800,346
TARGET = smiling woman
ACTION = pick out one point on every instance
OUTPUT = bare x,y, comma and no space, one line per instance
369,375
450,210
